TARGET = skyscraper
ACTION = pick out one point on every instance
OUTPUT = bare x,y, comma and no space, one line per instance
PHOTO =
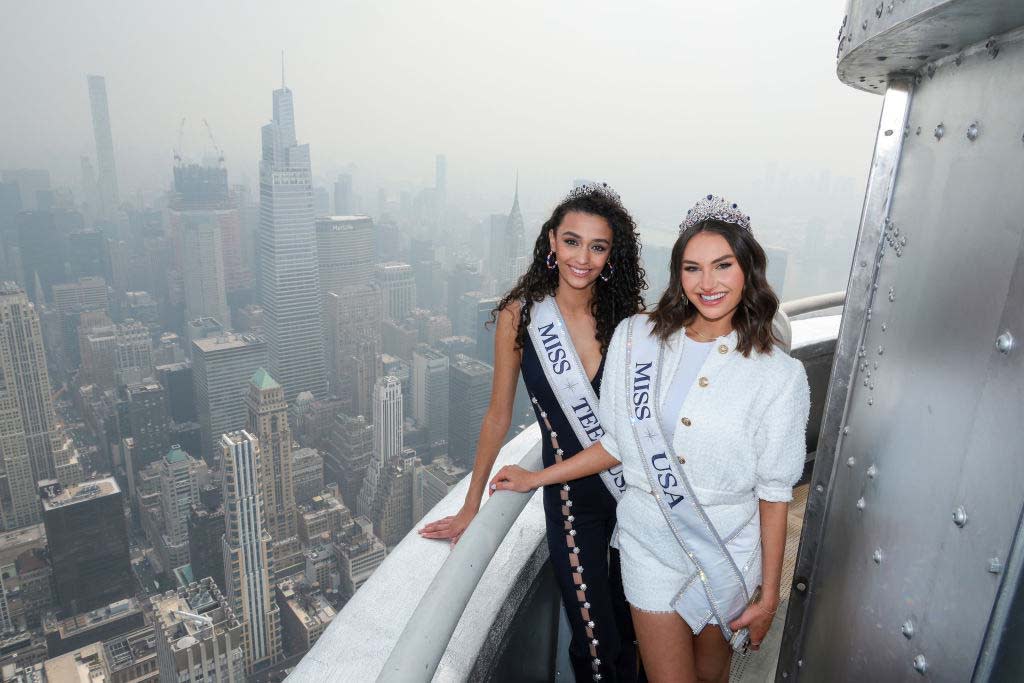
354,345
343,199
350,454
87,536
508,248
290,288
470,393
441,180
247,556
345,252
399,285
179,491
387,419
202,220
268,422
24,364
107,180
204,648
19,505
430,395
221,370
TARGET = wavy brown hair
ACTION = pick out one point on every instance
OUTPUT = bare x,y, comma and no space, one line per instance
758,304
614,300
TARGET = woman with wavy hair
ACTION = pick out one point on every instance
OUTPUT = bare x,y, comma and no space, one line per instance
554,326
707,420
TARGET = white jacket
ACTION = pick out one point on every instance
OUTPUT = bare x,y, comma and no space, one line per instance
742,433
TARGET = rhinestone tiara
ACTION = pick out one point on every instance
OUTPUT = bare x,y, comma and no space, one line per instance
590,188
717,208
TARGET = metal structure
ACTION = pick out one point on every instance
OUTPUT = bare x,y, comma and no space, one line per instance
910,562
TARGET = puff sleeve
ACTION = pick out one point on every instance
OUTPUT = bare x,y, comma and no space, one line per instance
781,436
612,389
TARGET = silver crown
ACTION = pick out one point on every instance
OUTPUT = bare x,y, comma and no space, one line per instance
589,188
717,208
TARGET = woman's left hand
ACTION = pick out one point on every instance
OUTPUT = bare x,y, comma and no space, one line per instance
758,619
512,478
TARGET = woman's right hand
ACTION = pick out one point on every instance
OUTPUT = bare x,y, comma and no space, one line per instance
450,527
513,478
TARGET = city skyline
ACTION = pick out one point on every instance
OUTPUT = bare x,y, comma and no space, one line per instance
706,123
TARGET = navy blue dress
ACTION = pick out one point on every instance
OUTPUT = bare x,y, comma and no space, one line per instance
580,518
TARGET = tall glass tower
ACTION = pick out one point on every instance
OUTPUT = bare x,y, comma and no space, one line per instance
289,281
107,181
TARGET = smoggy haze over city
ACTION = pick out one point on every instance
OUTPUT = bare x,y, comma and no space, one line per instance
662,99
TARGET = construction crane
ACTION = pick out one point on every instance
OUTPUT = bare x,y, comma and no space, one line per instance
216,148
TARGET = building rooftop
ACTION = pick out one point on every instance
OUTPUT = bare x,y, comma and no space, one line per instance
176,455
77,493
226,341
262,379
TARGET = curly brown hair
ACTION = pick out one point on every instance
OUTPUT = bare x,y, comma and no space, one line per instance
615,299
758,305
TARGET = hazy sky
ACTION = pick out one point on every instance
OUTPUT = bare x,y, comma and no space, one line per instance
664,99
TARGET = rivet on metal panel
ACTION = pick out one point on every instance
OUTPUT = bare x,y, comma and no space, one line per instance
871,387
861,503
881,350
888,132
960,516
1004,342
800,663
865,382
851,461
940,130
908,629
871,401
863,264
864,25
888,224
920,664
878,10
992,47
972,131
892,294
884,327
918,131
877,556
872,472
903,241
846,430
800,584
995,565
819,488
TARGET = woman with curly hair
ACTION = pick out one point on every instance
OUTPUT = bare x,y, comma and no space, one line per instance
706,418
554,326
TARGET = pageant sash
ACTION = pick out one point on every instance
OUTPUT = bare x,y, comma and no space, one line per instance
721,579
568,381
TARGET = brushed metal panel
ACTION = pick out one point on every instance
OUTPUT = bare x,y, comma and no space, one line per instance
863,273
881,38
929,430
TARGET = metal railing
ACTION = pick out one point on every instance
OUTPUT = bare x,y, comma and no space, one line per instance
813,304
809,304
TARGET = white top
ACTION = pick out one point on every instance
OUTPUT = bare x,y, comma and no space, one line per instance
690,362
741,430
